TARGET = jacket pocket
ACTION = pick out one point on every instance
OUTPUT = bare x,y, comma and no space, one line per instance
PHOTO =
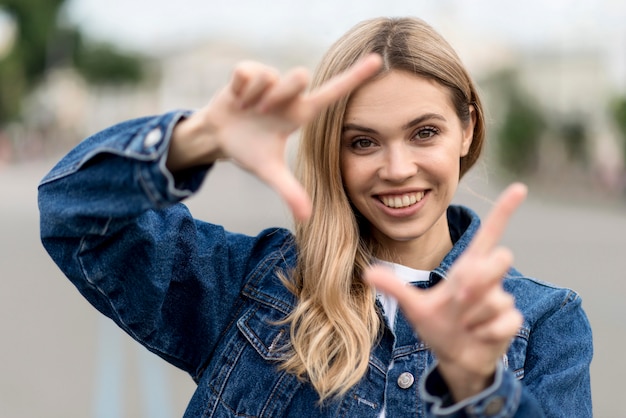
261,328
516,355
249,382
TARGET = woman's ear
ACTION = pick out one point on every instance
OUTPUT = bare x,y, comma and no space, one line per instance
468,132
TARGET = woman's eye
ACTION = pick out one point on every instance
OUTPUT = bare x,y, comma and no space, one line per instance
426,132
361,143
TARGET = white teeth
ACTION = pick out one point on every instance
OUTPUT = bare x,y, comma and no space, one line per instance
402,201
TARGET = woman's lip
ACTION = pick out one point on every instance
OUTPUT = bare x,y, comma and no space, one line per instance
396,192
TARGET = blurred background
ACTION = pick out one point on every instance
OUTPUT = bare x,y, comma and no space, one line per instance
553,77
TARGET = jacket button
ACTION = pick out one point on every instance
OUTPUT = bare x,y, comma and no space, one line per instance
152,138
494,406
405,380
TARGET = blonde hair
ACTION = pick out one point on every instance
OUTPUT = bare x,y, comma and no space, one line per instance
336,323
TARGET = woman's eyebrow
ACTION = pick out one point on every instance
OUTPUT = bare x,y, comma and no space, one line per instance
418,120
355,127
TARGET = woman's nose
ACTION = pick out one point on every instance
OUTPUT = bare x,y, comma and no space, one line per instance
399,165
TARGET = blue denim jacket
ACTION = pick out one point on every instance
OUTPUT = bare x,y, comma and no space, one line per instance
209,301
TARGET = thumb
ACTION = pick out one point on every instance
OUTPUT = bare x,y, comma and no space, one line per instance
409,298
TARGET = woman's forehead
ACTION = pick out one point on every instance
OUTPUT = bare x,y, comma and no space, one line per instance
395,94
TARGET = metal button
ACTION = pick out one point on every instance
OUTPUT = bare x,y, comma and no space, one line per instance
153,137
494,406
405,380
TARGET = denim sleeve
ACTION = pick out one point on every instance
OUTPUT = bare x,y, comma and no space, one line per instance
559,354
140,146
556,381
503,399
112,220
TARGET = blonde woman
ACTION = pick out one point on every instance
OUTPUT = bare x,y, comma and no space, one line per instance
288,324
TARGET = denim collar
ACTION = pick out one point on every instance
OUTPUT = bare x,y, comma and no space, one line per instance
265,287
463,224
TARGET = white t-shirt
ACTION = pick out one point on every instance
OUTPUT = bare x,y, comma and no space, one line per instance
390,305
407,275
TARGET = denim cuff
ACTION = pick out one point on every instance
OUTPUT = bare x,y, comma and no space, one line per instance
499,400
152,143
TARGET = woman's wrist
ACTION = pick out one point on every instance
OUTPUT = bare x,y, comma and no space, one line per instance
193,143
463,384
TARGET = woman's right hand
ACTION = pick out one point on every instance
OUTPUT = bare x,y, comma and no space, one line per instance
468,319
250,120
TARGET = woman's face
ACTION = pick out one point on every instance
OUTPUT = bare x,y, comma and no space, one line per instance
400,150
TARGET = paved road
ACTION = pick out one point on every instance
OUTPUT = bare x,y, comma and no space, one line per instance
54,361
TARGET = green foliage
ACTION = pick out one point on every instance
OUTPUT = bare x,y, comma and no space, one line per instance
521,123
520,134
13,83
21,68
103,64
574,137
36,27
42,43
619,115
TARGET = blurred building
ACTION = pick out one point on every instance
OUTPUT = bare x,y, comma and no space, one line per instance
192,74
573,86
64,108
567,84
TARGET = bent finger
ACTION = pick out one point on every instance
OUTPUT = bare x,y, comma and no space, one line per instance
472,280
239,80
288,88
493,304
250,80
501,329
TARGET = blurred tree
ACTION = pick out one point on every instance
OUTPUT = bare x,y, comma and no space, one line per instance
574,134
104,64
518,138
619,115
42,43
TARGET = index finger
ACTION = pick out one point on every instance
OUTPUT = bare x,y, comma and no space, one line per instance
492,229
344,83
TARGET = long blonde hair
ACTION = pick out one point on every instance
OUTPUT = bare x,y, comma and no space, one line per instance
336,323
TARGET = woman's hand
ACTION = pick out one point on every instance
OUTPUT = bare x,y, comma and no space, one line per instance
468,319
250,120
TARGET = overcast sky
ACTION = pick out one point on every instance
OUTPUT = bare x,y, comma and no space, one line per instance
149,23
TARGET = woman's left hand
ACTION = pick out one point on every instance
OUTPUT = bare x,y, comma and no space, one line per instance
250,120
468,319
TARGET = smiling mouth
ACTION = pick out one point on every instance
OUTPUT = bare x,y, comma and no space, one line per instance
401,201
